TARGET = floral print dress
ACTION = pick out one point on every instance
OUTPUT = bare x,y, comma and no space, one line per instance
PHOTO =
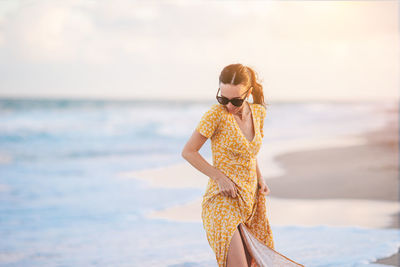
235,156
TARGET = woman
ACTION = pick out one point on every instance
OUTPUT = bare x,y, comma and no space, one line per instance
233,206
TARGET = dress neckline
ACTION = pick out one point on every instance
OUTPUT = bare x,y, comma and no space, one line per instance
254,125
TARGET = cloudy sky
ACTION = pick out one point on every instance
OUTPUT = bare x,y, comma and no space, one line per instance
124,49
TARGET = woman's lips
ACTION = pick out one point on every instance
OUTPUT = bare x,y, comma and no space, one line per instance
233,111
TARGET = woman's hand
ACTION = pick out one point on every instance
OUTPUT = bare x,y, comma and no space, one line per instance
226,186
263,187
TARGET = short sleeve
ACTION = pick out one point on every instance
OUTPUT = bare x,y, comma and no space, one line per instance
262,119
209,122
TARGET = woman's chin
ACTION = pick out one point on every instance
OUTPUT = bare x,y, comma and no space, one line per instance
233,111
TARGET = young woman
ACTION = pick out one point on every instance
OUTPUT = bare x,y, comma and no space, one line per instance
233,206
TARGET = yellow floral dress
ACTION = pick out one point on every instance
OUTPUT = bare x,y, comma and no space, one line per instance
235,156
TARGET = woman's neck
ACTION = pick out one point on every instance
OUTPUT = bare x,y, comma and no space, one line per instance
244,111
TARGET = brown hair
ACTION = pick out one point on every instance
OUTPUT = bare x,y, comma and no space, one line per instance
239,74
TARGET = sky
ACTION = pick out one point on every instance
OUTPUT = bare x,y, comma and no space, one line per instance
175,50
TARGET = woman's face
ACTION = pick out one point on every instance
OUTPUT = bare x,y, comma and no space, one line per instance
231,91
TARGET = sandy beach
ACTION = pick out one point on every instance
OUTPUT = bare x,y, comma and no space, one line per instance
349,181
361,172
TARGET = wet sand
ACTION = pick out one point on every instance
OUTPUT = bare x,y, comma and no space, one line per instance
363,172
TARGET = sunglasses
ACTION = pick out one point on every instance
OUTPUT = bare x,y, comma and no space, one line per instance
236,101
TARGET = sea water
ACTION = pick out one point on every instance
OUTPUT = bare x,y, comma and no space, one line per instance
61,204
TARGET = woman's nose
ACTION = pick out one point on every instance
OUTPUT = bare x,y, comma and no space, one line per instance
230,106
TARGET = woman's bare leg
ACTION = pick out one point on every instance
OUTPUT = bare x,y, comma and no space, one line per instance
236,252
248,256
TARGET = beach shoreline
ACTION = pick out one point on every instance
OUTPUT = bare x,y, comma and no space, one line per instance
372,168
369,171
360,180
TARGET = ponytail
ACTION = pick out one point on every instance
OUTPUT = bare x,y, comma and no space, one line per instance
257,92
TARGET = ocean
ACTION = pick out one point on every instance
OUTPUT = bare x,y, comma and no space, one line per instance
61,204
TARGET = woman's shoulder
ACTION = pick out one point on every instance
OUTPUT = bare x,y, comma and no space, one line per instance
260,108
214,112
218,108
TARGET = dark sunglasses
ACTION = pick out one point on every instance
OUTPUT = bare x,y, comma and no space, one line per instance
236,101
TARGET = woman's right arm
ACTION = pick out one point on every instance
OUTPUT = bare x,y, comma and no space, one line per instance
191,153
